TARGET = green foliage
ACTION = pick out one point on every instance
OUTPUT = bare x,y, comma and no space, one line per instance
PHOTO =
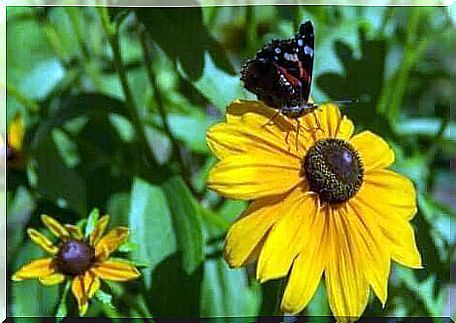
117,103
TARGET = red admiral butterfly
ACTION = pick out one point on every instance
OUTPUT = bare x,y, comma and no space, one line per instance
281,73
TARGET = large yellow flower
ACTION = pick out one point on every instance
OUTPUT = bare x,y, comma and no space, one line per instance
84,261
323,203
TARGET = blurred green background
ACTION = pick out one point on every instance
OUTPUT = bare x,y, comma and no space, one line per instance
116,105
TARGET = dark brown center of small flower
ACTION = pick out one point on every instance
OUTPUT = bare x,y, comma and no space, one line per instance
74,257
334,170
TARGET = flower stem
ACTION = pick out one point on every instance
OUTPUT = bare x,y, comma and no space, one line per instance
113,38
161,110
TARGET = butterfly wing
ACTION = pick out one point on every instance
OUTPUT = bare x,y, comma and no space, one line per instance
305,42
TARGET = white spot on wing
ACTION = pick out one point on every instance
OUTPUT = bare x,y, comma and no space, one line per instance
300,42
308,51
277,50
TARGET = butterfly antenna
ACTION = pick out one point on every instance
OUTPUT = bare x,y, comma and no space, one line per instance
346,101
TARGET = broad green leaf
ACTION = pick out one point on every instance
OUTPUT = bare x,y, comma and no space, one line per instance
150,224
191,129
209,85
56,182
318,305
226,292
42,79
427,127
169,27
186,222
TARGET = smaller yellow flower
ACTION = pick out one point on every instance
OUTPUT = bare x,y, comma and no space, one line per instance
14,140
84,261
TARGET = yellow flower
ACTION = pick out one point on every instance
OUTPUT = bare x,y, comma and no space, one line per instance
322,204
15,138
84,261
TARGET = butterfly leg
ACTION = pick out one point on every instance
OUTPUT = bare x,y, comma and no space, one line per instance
317,121
271,121
298,125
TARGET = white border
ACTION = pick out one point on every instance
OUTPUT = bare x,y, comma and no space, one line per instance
140,3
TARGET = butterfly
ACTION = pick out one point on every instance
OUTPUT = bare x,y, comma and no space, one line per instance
281,73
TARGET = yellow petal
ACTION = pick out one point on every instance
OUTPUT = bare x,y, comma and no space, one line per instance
251,176
346,129
374,151
16,133
348,290
110,242
116,271
248,231
257,114
79,291
298,220
226,139
83,288
99,230
91,283
307,268
393,193
324,121
53,279
74,231
370,247
35,269
42,241
55,227
395,228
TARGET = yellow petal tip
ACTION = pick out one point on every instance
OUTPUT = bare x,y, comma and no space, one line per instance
16,278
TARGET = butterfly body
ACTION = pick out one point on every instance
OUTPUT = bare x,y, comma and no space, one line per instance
281,73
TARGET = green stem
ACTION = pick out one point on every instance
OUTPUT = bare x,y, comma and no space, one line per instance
113,38
161,110
61,311
30,105
73,13
251,28
411,53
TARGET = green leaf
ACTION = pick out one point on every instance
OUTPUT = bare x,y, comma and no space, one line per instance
226,292
150,224
128,247
424,291
104,298
209,84
186,222
66,147
42,79
91,222
318,305
56,182
169,27
191,129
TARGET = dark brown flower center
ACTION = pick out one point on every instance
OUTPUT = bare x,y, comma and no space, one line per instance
334,170
74,257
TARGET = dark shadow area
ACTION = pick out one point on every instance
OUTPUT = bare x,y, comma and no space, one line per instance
362,80
174,293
